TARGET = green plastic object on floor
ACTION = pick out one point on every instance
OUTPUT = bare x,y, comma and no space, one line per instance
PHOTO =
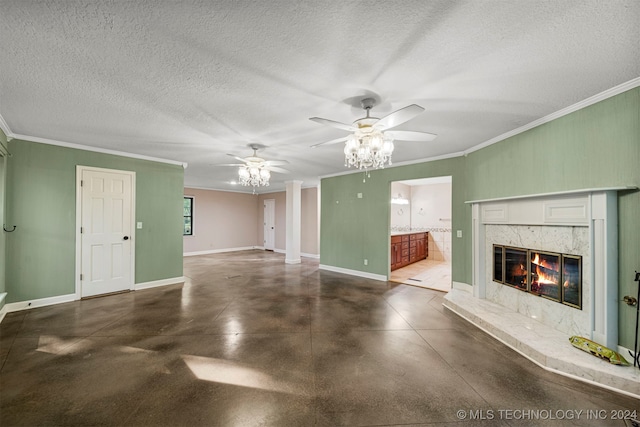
598,350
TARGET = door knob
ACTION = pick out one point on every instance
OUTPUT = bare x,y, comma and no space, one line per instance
126,237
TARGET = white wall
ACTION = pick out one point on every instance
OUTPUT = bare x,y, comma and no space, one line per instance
400,214
431,210
309,225
225,220
222,220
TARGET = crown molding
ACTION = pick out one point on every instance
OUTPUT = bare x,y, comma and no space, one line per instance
96,149
5,127
616,90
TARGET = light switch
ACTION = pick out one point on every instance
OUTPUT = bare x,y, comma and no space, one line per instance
359,195
139,225
459,233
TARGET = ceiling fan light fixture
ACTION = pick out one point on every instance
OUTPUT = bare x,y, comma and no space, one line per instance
368,149
370,144
254,174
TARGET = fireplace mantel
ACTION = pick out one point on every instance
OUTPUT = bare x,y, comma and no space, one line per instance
553,194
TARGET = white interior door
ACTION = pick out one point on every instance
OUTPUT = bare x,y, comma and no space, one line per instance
106,231
269,224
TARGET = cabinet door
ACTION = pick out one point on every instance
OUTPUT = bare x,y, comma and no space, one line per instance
394,256
421,252
426,245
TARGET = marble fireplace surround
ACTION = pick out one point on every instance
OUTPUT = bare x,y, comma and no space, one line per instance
582,222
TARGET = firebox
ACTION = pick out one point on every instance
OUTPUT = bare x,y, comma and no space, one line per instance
551,275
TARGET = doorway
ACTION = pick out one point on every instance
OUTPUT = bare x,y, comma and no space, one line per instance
105,214
421,208
269,224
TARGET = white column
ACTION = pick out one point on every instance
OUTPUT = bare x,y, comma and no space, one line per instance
294,201
479,252
604,296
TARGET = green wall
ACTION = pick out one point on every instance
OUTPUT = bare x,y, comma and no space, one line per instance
353,229
3,235
596,147
41,201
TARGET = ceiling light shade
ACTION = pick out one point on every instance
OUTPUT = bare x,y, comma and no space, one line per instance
368,148
254,174
399,200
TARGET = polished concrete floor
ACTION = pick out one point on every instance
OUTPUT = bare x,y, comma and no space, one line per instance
250,341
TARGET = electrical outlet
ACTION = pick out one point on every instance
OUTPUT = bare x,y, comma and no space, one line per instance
366,261
139,225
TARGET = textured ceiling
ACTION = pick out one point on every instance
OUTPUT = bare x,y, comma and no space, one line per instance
192,80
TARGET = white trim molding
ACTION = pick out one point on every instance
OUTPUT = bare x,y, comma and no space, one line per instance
219,251
314,256
41,302
461,286
158,283
5,127
3,310
357,273
48,141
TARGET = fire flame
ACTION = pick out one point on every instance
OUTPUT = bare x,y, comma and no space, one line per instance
544,278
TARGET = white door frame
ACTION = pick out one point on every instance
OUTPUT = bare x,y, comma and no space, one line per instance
79,170
272,204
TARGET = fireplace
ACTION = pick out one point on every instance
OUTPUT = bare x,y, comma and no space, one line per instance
553,276
572,284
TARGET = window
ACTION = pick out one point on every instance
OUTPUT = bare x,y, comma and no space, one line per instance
188,216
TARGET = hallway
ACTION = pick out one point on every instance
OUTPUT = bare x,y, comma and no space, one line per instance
249,340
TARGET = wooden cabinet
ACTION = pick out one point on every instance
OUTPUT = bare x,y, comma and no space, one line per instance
396,242
399,251
407,249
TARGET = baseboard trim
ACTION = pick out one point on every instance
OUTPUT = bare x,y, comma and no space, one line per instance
461,286
302,254
350,272
219,251
158,283
41,302
3,310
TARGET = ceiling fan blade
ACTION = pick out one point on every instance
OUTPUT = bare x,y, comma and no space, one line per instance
333,141
408,135
230,164
327,122
276,162
276,169
398,117
237,158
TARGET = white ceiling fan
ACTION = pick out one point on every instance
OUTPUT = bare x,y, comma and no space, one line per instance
254,160
254,170
368,124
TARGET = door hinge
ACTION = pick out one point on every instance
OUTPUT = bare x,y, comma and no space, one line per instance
81,230
82,183
81,277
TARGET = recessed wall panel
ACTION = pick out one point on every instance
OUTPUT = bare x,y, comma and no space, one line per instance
97,273
116,261
117,215
97,215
